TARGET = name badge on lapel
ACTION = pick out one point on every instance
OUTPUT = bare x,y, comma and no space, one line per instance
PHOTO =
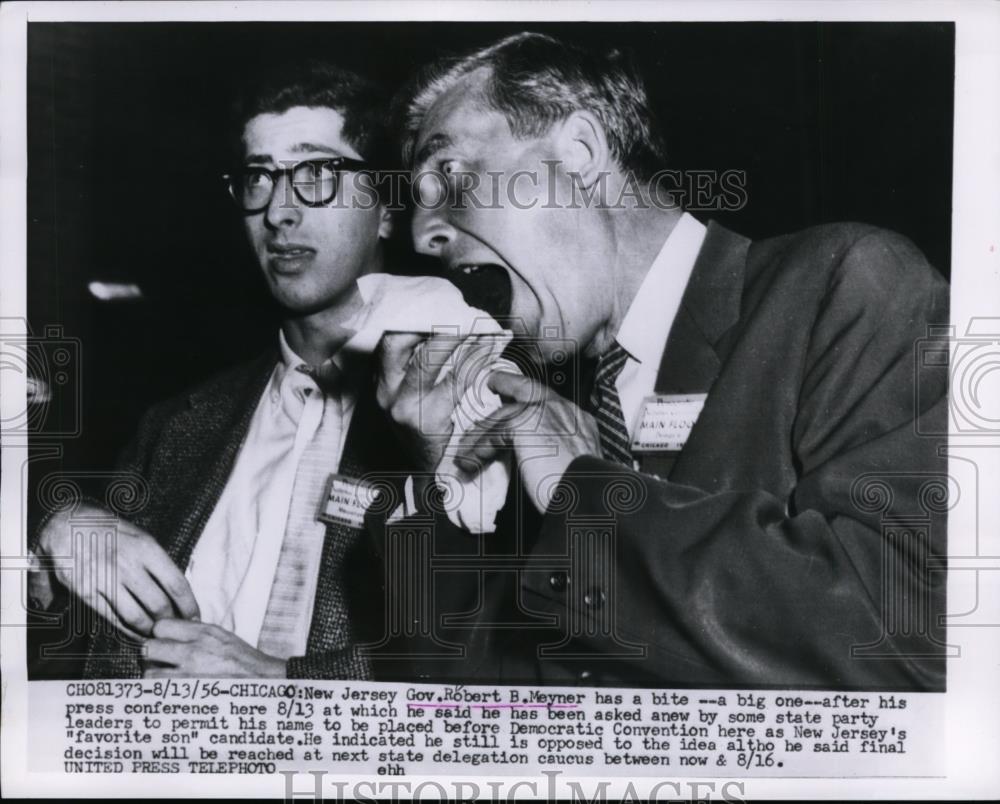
665,421
345,501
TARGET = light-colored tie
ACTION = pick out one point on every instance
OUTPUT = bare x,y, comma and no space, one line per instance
285,630
607,407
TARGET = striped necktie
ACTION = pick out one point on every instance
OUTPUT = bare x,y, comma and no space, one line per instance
607,407
285,629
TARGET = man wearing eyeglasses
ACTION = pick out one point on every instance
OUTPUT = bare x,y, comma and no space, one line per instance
227,571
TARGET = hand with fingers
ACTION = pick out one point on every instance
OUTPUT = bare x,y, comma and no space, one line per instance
188,649
419,400
130,580
546,431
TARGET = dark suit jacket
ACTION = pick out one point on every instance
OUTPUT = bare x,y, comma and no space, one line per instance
797,540
185,449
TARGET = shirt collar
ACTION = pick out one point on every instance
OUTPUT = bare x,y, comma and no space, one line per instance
646,326
288,378
293,375
289,359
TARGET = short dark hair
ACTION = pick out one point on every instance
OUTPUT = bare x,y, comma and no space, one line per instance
363,103
537,80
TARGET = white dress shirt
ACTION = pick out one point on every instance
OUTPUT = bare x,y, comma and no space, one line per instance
646,326
233,564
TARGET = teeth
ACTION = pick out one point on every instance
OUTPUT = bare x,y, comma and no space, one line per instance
469,268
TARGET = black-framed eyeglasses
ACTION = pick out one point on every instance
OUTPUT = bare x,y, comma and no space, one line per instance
314,181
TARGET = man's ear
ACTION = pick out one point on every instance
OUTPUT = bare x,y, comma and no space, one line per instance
583,146
386,223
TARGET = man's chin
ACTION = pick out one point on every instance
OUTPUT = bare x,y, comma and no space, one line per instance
303,308
297,302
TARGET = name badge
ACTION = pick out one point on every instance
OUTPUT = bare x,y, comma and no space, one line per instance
345,501
665,421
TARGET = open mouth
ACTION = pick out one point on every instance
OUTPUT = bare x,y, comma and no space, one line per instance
486,286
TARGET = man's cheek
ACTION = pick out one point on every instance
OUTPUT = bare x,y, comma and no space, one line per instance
254,236
522,304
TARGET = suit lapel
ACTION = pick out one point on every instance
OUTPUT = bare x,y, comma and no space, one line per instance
221,421
710,306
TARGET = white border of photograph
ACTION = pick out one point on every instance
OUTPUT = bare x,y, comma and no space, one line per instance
971,737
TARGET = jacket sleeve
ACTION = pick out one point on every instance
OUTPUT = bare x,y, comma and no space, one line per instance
833,585
45,592
340,664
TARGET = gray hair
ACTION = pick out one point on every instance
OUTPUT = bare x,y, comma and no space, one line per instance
536,81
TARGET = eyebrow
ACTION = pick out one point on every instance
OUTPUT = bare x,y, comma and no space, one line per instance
298,148
431,147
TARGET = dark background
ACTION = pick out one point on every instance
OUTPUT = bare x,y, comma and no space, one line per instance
847,121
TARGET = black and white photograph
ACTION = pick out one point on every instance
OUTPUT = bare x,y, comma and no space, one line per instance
485,394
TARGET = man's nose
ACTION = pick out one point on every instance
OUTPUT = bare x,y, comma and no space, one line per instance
283,209
431,232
